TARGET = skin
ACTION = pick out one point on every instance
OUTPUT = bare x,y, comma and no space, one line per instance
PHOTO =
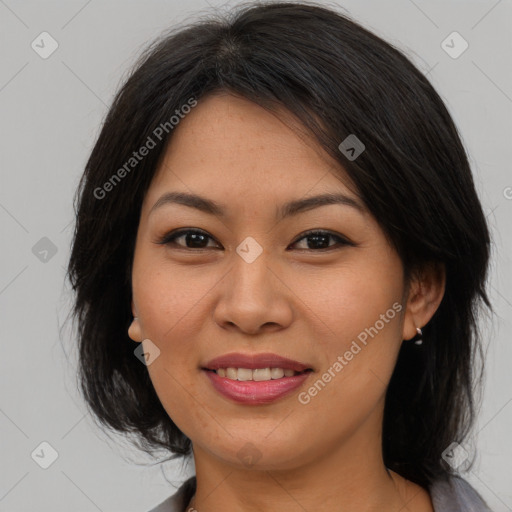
295,300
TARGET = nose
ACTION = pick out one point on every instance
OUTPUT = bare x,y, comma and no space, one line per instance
253,298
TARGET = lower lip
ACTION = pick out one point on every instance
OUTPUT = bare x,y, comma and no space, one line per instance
255,392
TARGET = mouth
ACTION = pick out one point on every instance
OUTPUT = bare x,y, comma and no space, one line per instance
255,379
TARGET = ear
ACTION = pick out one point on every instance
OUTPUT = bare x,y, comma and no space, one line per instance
426,291
135,330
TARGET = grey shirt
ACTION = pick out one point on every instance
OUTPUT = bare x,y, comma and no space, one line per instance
452,495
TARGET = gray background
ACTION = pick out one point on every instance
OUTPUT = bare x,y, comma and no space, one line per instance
51,111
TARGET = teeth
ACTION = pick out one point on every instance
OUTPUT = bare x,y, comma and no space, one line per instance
276,373
232,373
259,374
244,374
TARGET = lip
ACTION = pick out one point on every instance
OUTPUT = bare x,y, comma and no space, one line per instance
255,392
254,361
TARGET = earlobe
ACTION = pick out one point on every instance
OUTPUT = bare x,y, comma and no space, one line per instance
425,295
135,331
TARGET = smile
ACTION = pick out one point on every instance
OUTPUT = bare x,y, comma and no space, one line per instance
257,374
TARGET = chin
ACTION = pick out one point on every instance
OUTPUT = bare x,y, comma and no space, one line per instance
262,454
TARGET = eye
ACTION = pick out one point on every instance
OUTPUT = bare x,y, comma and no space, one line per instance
197,239
319,240
193,239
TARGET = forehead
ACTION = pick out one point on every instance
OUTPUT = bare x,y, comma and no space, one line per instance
228,145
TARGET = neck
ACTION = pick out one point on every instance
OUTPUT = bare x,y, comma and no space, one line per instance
351,477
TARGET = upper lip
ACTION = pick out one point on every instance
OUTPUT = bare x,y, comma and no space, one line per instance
253,361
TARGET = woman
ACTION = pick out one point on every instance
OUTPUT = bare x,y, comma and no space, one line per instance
271,268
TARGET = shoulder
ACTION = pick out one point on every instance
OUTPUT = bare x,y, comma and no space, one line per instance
456,494
179,500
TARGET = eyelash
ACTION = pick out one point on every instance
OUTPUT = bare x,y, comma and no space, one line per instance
170,239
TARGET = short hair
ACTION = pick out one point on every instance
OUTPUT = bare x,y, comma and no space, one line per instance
338,79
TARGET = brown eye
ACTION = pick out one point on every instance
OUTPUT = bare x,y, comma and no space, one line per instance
320,240
191,239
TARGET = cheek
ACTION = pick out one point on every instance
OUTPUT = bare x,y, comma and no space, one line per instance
168,299
170,306
360,310
359,362
347,301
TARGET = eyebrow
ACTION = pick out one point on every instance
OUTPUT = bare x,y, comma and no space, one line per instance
287,210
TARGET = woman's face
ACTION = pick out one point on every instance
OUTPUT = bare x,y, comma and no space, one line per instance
254,283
